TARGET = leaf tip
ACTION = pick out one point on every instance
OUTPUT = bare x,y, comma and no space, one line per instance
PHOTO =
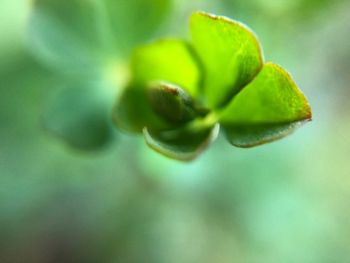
306,112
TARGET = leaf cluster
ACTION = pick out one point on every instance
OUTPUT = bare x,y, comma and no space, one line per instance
181,92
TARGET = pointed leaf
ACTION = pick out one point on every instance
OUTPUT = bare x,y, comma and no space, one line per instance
181,144
171,102
266,109
230,52
79,116
167,60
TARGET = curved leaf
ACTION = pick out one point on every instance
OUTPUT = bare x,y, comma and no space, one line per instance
254,135
182,144
79,115
266,109
167,60
230,52
171,102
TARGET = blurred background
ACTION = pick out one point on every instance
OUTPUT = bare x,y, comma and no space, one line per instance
74,189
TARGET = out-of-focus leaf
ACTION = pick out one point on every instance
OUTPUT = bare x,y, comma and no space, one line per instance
167,60
183,144
82,35
134,21
171,102
79,115
133,111
299,13
266,109
67,34
230,52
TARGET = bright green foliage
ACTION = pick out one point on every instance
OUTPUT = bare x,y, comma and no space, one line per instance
268,108
272,97
167,60
230,53
220,80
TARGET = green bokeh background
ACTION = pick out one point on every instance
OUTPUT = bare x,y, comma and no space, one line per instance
288,201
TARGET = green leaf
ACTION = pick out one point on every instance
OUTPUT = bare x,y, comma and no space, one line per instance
83,35
79,116
135,21
254,135
230,52
65,34
171,102
167,60
266,109
133,111
183,144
